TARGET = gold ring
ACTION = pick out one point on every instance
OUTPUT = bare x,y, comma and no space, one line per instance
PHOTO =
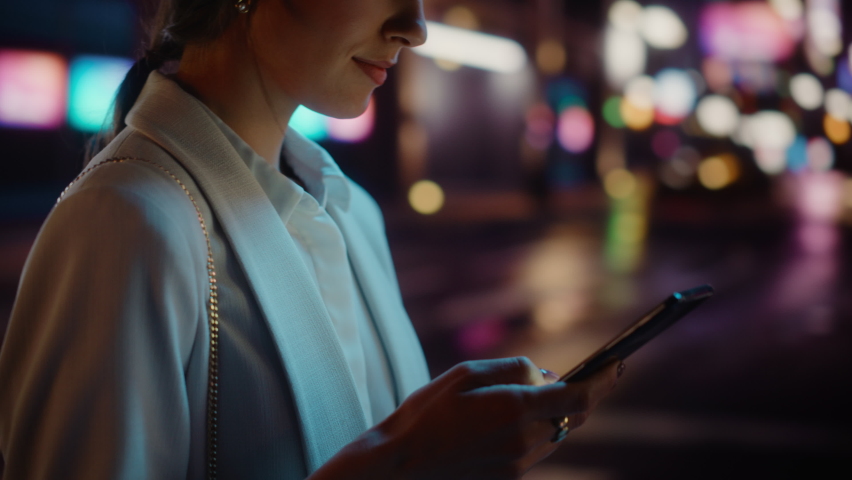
562,429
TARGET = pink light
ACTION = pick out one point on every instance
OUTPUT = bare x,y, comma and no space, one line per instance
576,130
353,130
667,120
33,89
819,196
540,124
750,31
480,336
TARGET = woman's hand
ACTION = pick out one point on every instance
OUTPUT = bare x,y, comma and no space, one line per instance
481,419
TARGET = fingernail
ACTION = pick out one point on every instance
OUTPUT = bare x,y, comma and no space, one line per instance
620,370
549,376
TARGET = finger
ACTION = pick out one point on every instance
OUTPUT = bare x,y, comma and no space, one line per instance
561,399
503,371
549,376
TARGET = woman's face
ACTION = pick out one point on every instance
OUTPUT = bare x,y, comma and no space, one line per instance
329,55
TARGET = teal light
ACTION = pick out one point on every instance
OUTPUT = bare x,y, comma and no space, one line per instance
94,81
797,155
309,123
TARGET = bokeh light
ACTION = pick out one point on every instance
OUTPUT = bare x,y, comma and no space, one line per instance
718,74
824,27
636,118
769,133
309,123
807,91
353,130
426,197
790,10
637,107
620,183
771,161
627,229
838,131
33,89
844,74
718,172
718,115
640,92
462,17
630,227
662,28
747,31
820,154
838,104
612,112
576,130
94,81
550,56
674,96
473,49
797,155
819,196
626,15
541,123
625,56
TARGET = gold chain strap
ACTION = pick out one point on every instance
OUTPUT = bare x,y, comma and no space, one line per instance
213,317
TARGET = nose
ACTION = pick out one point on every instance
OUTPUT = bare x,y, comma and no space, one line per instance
407,26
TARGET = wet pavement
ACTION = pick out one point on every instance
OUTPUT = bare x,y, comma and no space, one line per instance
754,384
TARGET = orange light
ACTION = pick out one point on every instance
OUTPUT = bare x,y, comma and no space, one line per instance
550,56
716,173
636,118
838,131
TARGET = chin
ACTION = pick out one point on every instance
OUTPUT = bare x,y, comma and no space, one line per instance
349,107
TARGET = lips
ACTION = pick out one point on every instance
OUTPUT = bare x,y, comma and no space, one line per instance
376,70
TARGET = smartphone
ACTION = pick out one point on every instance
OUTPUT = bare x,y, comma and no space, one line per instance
641,331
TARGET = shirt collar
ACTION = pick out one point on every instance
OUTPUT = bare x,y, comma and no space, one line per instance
313,164
322,176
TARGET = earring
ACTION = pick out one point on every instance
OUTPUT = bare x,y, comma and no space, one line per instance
243,6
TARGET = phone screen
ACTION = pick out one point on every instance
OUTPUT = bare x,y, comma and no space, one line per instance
641,331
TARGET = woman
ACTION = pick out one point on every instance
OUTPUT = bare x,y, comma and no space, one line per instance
204,213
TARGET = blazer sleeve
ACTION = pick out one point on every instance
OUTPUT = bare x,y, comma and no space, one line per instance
110,311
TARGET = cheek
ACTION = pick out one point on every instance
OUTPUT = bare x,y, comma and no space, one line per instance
309,58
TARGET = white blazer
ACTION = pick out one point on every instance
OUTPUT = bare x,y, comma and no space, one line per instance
103,373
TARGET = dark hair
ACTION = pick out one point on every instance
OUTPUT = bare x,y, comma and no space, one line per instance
176,24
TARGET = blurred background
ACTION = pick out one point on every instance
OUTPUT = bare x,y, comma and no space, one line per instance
549,170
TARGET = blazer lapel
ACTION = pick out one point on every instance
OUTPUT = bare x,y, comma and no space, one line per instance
380,292
322,385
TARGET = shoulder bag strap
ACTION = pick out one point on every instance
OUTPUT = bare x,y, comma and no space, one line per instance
212,315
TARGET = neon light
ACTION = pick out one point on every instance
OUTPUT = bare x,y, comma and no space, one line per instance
353,130
612,112
472,49
718,115
749,31
797,155
674,96
94,83
662,28
33,88
309,123
576,130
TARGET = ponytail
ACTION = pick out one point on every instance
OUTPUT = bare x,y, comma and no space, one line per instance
135,79
176,23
